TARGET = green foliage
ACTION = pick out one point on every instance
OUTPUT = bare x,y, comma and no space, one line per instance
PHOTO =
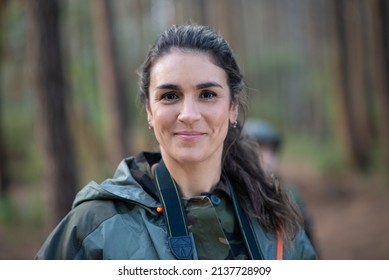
325,155
377,159
267,71
266,68
25,164
8,211
24,206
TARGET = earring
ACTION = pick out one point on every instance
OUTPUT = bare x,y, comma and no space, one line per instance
234,124
150,127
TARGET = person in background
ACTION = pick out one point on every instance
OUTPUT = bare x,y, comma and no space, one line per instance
203,195
270,143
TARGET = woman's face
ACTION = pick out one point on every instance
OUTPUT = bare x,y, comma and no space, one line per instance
189,106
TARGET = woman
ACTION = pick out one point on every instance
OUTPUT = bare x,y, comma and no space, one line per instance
202,196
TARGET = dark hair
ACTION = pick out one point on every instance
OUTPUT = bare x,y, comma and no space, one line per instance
260,196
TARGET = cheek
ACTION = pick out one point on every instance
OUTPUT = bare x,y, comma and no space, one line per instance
219,119
162,117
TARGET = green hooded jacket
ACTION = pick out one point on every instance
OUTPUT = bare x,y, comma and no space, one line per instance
117,219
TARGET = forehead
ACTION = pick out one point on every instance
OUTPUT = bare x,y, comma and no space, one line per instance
182,63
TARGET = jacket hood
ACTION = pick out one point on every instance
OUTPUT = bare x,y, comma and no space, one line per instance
123,187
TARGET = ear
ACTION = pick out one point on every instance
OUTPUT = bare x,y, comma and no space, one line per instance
234,112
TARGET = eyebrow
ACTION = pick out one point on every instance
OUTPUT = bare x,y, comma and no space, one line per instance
208,85
199,86
168,86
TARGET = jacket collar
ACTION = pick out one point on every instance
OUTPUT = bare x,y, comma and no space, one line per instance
131,182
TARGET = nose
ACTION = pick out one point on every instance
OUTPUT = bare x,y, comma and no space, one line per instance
189,111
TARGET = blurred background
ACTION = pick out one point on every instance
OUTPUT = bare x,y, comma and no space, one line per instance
316,69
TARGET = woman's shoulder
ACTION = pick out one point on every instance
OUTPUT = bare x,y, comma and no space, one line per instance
66,239
84,229
90,214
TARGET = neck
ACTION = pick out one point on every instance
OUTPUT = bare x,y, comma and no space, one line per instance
194,178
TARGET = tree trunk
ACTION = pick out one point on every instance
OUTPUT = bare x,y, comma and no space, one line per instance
380,18
4,179
111,84
384,100
348,124
220,18
54,132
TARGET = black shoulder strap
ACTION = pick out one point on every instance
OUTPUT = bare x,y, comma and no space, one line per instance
248,233
180,242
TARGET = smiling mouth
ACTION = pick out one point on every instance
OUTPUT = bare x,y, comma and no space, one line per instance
189,135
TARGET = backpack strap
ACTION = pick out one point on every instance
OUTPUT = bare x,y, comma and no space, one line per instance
179,240
248,233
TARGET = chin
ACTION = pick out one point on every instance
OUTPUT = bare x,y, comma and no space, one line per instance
193,156
188,159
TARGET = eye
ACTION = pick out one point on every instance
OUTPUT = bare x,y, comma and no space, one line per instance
169,96
208,94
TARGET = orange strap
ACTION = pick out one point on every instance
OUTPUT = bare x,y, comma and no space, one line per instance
279,245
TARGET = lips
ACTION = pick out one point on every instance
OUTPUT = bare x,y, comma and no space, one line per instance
189,135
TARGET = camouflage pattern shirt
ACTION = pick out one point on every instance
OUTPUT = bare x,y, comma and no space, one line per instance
212,221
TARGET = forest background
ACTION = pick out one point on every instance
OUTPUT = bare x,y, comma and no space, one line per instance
316,69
